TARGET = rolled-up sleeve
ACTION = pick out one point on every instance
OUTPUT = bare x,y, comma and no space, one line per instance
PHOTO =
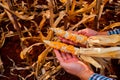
115,31
96,76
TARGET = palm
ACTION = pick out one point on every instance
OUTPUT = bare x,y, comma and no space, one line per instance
70,63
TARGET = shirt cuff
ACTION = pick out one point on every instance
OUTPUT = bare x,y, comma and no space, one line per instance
96,76
115,31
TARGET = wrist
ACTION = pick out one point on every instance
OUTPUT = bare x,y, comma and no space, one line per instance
85,75
102,33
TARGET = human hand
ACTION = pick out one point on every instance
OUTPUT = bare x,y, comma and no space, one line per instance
73,65
88,32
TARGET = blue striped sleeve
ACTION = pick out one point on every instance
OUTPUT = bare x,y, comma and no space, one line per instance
115,31
96,76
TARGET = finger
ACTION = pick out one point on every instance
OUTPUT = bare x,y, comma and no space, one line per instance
67,41
72,43
82,32
63,39
69,56
60,37
64,56
75,57
58,55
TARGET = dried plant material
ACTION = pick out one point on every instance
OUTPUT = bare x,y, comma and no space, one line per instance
1,66
86,9
63,1
2,16
68,2
105,63
15,67
63,47
12,18
46,14
61,15
28,31
42,22
24,52
21,15
48,65
11,33
99,9
51,8
48,74
85,18
111,26
3,76
68,35
28,76
25,40
104,40
103,52
48,37
91,61
73,6
41,59
2,39
111,52
34,19
34,3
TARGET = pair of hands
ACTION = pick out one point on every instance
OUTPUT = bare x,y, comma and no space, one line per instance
70,62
